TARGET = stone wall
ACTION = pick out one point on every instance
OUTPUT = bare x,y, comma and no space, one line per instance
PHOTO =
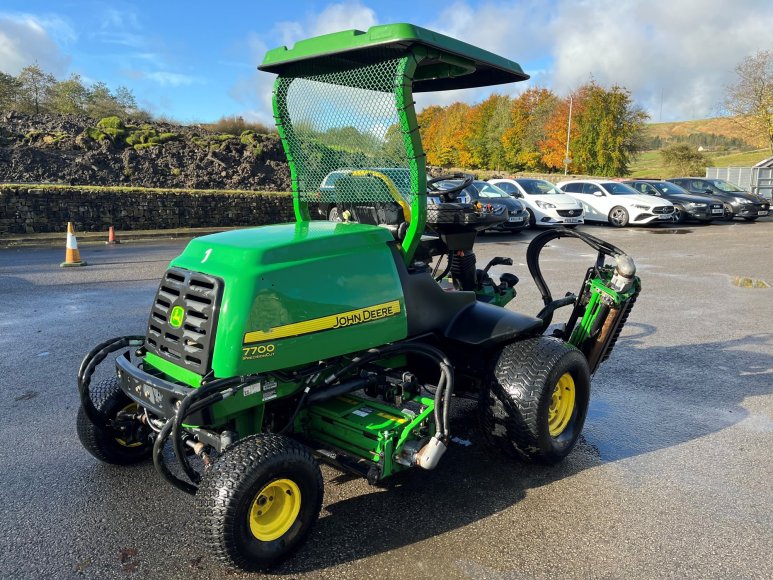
32,209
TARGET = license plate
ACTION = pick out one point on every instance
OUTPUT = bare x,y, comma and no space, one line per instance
665,216
516,219
718,210
572,220
762,212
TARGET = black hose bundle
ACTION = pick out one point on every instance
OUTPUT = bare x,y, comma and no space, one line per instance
90,363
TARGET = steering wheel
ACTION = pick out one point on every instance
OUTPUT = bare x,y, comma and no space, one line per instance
450,193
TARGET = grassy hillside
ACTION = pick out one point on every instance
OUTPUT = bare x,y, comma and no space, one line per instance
650,163
726,126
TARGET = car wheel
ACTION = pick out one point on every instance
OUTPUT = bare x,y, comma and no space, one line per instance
678,216
258,501
537,400
333,215
618,217
729,215
531,218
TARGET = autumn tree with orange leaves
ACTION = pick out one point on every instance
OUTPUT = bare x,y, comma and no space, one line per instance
528,133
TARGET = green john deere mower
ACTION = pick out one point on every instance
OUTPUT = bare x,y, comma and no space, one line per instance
270,349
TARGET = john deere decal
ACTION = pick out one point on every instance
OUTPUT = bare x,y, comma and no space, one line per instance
176,316
350,318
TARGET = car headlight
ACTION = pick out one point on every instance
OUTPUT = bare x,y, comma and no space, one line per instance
741,200
694,205
545,205
644,207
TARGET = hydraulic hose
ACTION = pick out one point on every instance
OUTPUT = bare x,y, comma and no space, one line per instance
158,461
89,365
185,409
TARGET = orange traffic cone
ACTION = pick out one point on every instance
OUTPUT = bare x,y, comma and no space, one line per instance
111,236
72,255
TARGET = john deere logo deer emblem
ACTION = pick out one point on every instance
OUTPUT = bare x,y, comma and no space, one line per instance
176,316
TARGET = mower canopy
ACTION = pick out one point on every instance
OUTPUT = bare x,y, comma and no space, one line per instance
343,105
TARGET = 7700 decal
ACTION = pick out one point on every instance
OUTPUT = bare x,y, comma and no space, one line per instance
255,352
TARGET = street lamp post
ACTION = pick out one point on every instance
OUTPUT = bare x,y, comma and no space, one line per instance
567,160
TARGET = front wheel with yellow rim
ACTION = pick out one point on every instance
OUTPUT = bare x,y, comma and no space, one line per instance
537,399
126,442
258,502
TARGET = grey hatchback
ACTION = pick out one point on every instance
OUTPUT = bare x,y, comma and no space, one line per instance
738,203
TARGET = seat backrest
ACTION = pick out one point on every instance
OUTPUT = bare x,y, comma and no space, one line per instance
369,198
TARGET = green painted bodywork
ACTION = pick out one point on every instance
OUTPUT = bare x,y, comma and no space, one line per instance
174,371
456,64
288,273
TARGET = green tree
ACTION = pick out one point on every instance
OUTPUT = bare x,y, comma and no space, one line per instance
610,127
683,159
100,102
68,97
9,91
527,130
34,87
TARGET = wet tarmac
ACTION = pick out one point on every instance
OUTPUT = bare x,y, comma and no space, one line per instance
672,477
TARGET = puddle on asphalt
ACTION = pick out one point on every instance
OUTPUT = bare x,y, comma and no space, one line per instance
744,282
676,232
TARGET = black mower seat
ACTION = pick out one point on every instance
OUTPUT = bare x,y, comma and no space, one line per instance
458,316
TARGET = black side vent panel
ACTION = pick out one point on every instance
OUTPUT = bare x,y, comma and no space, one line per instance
185,337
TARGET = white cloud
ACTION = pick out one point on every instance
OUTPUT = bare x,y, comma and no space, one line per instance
343,16
686,49
26,39
254,91
172,79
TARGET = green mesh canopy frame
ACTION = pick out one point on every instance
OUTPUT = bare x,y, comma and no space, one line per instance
344,109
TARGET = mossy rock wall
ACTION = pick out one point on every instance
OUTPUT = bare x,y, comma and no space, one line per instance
30,209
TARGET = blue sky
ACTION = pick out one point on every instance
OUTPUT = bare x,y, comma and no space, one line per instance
196,61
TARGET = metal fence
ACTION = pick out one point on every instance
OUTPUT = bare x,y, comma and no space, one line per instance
758,180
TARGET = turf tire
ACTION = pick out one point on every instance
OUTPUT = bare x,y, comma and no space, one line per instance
100,442
514,409
229,487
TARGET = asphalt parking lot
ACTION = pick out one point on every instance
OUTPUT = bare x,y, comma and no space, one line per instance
672,477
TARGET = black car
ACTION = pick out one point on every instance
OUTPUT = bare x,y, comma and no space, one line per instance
488,194
686,205
738,203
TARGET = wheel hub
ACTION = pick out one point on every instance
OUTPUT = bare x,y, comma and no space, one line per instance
127,439
274,509
561,405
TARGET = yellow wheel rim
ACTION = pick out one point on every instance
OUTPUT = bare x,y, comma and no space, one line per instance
130,408
275,509
561,405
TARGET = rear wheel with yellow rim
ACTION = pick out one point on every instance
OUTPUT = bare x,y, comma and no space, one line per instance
127,441
259,500
537,399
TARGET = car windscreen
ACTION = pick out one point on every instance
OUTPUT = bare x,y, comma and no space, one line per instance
489,190
668,187
725,186
539,187
617,188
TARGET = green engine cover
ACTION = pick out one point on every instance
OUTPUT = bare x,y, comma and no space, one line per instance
298,293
